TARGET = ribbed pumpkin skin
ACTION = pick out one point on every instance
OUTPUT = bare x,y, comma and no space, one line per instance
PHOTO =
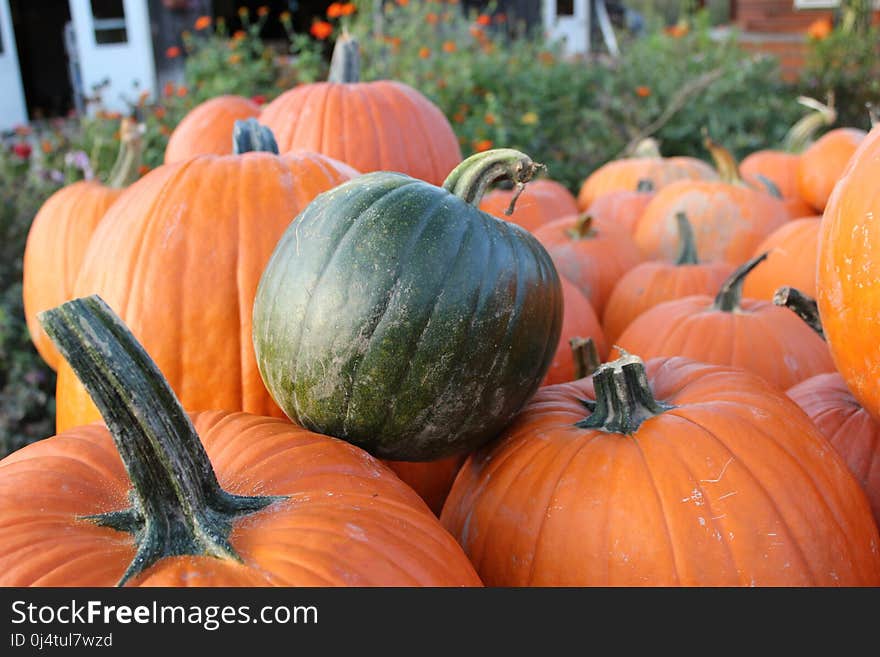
207,128
595,263
652,283
823,162
624,175
579,320
430,479
348,520
191,239
364,361
622,208
762,338
541,202
56,244
849,427
780,168
729,221
734,486
373,126
849,265
793,249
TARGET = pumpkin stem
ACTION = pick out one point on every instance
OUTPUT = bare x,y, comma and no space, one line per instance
648,147
345,64
801,305
725,162
687,253
127,167
249,136
583,228
178,506
730,295
586,357
623,397
470,179
802,133
645,185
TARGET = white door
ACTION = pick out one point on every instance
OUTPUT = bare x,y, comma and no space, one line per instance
569,20
114,46
13,110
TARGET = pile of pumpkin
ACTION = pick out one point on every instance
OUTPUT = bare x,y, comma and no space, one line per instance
327,352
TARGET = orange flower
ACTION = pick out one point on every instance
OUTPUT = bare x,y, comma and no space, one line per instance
143,170
334,10
643,91
484,19
449,46
490,119
476,32
244,12
182,91
239,35
262,10
431,18
321,30
172,52
160,112
678,30
284,17
441,83
424,52
403,3
164,130
819,29
46,146
501,18
546,58
482,145
234,59
202,23
168,90
458,117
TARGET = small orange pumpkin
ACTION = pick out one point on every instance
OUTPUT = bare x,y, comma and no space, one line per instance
792,252
622,208
207,128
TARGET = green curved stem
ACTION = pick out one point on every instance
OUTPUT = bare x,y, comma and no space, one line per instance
802,133
687,252
127,167
345,65
725,163
623,397
249,136
178,506
585,355
470,179
801,305
730,295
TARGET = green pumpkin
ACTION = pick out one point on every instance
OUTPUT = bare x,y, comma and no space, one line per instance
397,316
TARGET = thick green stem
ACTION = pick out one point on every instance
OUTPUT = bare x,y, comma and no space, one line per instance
730,295
345,65
178,506
470,179
583,228
585,355
249,136
801,305
127,167
725,163
623,397
687,250
802,133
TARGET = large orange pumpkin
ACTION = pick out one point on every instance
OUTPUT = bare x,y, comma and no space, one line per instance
646,168
207,128
160,498
729,217
373,126
853,432
791,260
677,473
61,231
622,208
848,273
590,253
179,258
578,321
755,335
822,164
540,202
654,282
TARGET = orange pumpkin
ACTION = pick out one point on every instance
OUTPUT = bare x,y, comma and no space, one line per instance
61,231
192,239
792,251
590,253
754,335
160,498
647,167
823,163
578,321
540,202
848,271
677,473
853,432
207,128
622,208
729,218
373,126
654,282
